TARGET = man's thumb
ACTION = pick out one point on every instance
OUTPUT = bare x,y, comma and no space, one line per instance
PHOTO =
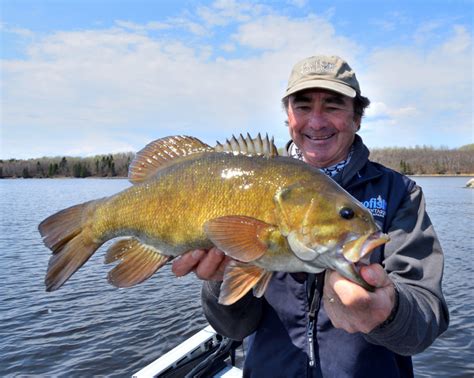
374,275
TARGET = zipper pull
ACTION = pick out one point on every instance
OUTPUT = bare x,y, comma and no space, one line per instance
310,335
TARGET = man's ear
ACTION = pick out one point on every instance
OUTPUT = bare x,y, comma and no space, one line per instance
356,122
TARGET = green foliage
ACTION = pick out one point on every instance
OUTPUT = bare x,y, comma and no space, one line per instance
405,168
39,170
81,170
25,173
53,169
63,168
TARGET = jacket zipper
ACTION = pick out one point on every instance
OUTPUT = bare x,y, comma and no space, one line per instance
314,288
314,297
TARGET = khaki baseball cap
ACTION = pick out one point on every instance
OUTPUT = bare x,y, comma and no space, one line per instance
327,72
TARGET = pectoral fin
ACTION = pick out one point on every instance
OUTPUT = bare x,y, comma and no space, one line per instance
239,279
242,238
138,262
261,286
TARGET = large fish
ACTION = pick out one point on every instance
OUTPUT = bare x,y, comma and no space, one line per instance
269,213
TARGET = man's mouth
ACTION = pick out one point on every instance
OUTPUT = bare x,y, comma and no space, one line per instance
319,137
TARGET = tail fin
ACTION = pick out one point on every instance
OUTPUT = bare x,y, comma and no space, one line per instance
71,243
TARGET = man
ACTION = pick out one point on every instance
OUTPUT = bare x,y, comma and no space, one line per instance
324,325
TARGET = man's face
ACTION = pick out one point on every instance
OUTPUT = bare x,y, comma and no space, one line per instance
322,125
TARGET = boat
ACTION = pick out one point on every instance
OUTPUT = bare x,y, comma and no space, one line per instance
205,354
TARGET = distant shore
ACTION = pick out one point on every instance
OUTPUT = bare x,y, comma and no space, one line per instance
418,161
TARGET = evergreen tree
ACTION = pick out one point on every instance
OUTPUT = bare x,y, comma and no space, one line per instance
53,169
39,170
63,167
25,173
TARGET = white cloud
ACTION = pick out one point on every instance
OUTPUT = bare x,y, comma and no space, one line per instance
122,78
143,27
427,91
21,32
224,12
379,110
298,3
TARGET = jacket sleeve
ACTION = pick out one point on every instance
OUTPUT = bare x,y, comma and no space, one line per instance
414,261
235,321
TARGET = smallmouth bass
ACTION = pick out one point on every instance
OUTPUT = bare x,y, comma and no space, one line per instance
269,213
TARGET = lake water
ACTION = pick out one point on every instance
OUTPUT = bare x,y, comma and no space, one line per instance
91,328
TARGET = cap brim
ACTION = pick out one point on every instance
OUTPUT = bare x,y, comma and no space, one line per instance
324,84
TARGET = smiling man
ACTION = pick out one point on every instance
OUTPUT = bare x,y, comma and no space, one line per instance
310,325
322,125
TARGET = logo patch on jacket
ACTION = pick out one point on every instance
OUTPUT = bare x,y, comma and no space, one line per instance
377,206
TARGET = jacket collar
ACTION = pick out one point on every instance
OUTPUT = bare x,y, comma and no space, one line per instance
357,171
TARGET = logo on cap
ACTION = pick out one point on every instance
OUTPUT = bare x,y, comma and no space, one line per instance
317,67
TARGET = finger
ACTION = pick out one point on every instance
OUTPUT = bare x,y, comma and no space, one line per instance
187,263
328,282
211,263
330,278
222,267
375,275
346,292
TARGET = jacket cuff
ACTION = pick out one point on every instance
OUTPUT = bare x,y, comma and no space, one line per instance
393,330
393,313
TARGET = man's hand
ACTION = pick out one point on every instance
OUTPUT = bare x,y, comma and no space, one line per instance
208,265
354,309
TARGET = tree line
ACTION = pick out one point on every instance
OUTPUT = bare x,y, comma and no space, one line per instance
111,165
426,160
411,161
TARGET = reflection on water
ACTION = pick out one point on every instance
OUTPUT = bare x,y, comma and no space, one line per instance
90,328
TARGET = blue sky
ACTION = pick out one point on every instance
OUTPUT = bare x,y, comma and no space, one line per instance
86,77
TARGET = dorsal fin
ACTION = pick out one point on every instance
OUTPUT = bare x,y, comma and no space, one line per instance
158,153
249,146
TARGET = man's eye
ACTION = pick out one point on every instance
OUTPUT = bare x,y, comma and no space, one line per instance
302,107
333,108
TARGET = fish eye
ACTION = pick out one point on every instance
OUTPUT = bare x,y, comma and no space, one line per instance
346,213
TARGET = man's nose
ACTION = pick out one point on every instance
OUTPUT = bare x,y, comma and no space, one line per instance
317,120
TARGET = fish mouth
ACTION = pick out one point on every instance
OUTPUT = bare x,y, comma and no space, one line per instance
356,250
374,240
355,255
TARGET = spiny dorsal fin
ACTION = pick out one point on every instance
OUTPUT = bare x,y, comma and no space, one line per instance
158,153
249,146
